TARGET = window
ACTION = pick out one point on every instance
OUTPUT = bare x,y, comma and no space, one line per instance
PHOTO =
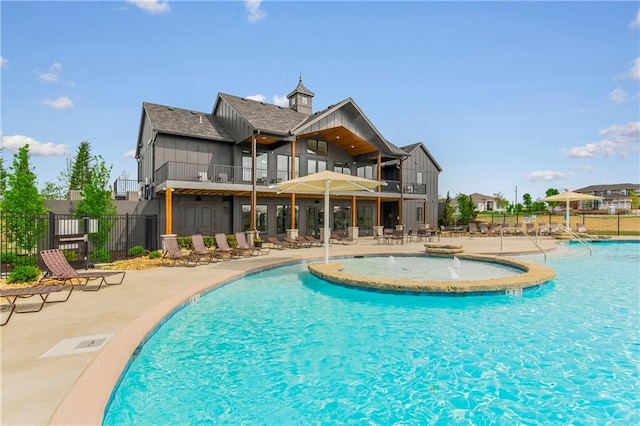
419,178
305,100
284,167
293,100
283,218
315,166
341,167
420,214
365,171
261,217
341,217
365,217
261,165
316,147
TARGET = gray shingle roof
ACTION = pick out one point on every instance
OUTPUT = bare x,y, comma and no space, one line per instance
300,89
265,117
177,121
611,187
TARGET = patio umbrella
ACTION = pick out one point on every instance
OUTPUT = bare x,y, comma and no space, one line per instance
327,182
570,196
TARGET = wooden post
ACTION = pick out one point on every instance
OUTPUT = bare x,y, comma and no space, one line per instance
252,222
426,204
353,211
293,176
379,180
168,210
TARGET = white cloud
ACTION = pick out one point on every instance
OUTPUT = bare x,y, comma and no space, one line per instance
634,72
255,13
258,97
62,102
546,176
52,75
4,63
130,154
152,6
618,96
618,139
281,100
636,22
15,142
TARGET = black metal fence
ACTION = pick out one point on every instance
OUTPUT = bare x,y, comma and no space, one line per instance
84,240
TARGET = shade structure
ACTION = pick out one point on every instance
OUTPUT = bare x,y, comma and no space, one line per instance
567,197
327,183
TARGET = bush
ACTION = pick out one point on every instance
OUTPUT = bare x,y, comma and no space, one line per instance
101,255
70,255
8,257
184,242
24,274
137,251
156,254
231,239
24,261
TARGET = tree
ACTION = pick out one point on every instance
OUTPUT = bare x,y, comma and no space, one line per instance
467,209
527,201
501,202
81,169
52,191
3,175
22,202
448,212
550,192
97,204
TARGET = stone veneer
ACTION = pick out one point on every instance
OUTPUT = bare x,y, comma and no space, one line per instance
533,275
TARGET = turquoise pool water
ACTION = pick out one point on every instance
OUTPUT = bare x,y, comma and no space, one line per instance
283,347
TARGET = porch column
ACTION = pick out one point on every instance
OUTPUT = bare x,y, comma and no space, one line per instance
168,210
252,222
379,180
400,218
353,229
293,176
426,204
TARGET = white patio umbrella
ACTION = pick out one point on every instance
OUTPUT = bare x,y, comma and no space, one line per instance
327,182
570,196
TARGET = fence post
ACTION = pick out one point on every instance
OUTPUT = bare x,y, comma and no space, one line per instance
126,225
52,229
618,222
85,230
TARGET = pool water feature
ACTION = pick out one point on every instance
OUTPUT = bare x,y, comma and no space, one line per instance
426,268
284,347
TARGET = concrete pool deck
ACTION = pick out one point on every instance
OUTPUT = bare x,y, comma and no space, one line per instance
60,365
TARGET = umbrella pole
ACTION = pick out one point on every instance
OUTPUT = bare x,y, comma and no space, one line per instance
326,221
567,219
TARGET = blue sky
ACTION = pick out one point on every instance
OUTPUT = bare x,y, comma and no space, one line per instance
536,95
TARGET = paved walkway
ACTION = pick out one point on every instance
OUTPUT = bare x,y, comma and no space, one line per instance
49,377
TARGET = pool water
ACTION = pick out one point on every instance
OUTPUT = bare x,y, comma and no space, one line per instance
284,347
426,268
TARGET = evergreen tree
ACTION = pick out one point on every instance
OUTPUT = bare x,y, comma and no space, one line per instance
466,208
22,202
97,204
81,169
448,212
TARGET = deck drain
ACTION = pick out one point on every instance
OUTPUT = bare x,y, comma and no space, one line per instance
90,343
78,345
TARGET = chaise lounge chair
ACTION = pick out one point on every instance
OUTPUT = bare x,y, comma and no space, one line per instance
12,294
313,240
201,250
223,249
59,269
244,246
340,239
173,254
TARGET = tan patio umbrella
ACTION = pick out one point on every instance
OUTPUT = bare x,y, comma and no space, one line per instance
327,182
570,196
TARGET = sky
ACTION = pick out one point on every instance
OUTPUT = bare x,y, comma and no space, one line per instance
508,97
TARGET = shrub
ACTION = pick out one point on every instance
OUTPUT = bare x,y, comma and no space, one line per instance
101,255
156,254
24,274
24,261
184,242
70,255
231,239
137,251
7,257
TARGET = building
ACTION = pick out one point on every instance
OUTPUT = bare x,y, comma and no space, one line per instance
615,197
215,172
485,203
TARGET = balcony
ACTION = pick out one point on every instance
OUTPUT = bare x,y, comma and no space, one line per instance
223,174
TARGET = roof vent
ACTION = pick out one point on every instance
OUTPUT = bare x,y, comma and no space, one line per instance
200,119
193,112
170,109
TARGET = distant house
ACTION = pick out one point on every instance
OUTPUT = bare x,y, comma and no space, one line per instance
216,171
485,203
615,196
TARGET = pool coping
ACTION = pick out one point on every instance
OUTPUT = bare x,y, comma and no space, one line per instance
533,275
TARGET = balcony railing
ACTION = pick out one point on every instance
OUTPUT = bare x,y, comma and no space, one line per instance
218,173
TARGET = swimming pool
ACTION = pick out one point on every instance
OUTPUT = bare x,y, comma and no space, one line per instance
283,347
